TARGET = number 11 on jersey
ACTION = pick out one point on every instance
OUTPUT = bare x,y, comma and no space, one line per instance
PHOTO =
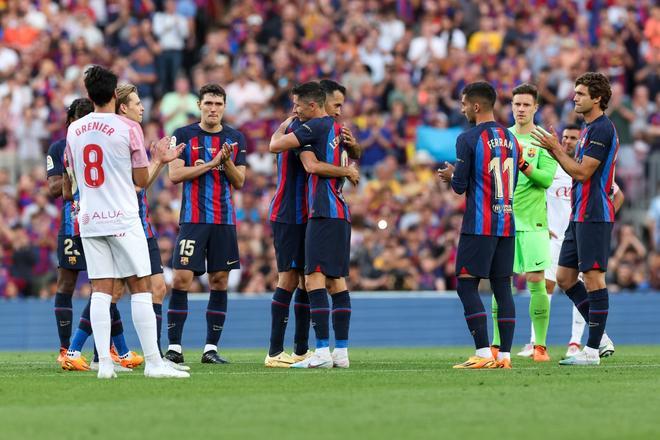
498,168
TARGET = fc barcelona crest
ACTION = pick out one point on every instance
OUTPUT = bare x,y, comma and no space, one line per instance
531,152
73,260
185,261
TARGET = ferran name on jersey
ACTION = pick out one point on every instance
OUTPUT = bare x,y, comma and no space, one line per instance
499,142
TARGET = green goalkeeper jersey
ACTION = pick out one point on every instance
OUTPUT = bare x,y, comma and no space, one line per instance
529,202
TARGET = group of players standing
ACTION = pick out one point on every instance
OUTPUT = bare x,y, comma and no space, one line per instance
107,225
102,171
568,246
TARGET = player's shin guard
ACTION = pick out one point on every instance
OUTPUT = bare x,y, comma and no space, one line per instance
341,317
63,316
506,318
320,315
99,312
599,305
176,315
578,294
496,329
279,312
117,331
216,312
539,311
301,312
144,320
475,314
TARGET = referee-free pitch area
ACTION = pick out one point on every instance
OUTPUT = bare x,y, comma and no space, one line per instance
386,394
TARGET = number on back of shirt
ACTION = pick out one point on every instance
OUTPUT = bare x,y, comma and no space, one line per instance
498,168
93,160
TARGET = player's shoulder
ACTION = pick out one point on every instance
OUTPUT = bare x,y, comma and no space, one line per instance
124,122
603,125
57,147
293,125
183,134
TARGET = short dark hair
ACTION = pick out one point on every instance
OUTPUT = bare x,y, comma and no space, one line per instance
329,87
482,91
310,91
598,86
573,127
100,84
79,107
526,89
212,89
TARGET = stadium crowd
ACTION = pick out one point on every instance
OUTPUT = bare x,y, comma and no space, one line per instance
403,62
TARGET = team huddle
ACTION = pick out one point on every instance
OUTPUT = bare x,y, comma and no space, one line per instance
510,177
102,171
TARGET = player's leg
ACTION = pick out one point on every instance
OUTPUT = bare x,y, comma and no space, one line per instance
132,262
66,284
495,346
301,310
221,257
568,272
187,260
119,351
500,280
279,312
285,242
341,320
473,258
102,275
158,286
341,299
318,243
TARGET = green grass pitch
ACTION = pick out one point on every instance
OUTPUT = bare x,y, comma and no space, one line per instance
386,394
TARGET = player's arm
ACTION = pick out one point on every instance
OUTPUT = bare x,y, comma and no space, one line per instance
139,159
235,173
54,171
162,153
66,189
543,174
281,141
179,172
314,166
458,176
352,146
617,198
578,171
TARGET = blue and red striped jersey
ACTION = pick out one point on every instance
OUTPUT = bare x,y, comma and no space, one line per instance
55,167
590,201
289,204
208,198
322,136
143,206
487,160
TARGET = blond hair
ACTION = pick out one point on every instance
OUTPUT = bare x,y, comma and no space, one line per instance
123,92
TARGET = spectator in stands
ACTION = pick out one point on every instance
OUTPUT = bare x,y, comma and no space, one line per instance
171,29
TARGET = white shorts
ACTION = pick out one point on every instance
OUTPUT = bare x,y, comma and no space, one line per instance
555,250
118,256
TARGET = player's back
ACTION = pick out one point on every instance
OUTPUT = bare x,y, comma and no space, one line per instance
104,148
289,204
492,161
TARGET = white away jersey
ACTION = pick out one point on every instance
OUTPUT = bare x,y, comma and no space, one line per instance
559,203
102,150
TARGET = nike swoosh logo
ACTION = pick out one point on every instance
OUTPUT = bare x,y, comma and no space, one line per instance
229,263
538,263
198,148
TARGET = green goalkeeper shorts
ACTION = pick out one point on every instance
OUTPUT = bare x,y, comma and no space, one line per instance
532,251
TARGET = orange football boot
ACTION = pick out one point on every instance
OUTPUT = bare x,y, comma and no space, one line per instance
540,354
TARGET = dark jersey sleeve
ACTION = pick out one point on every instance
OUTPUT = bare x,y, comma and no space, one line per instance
461,177
600,142
54,165
241,155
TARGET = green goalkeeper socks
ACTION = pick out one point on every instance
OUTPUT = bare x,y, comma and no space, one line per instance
539,310
496,330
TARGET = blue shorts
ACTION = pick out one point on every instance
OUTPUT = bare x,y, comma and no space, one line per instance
485,256
203,247
586,246
70,253
154,256
289,242
328,247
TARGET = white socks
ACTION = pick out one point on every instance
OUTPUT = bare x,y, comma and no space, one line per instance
175,347
484,352
577,328
209,347
144,320
99,315
501,356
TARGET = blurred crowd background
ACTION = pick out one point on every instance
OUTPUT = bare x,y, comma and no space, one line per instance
403,62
